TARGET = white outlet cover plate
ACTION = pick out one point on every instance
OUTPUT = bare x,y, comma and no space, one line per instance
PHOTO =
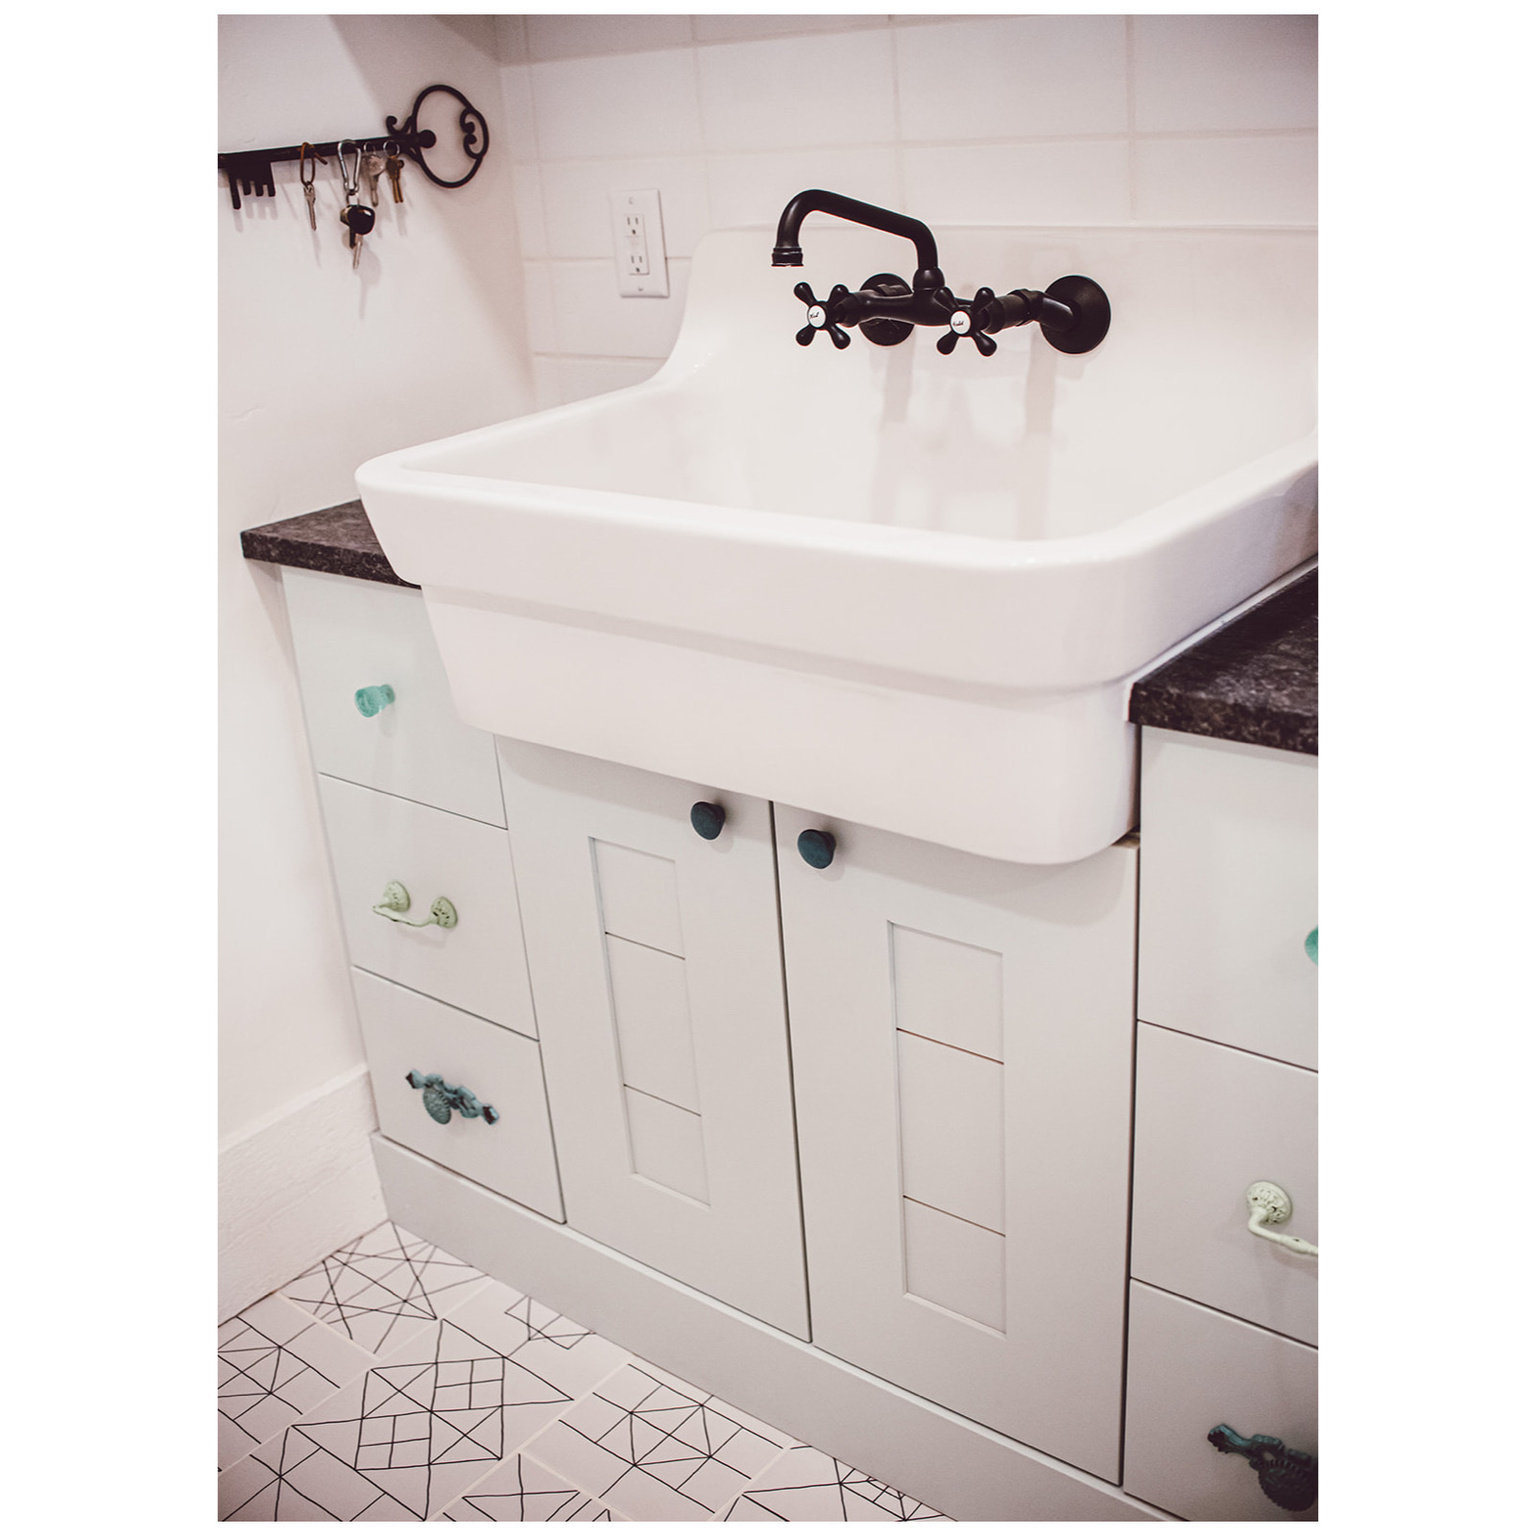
650,283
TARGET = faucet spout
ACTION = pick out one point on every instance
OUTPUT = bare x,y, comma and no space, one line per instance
787,253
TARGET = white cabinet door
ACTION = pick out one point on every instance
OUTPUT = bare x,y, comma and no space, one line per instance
405,1032
1210,1121
1189,1369
654,958
962,1033
1229,893
476,965
351,635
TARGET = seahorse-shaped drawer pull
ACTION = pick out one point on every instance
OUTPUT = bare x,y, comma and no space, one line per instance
440,1101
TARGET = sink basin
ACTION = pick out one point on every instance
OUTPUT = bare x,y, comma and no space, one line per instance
881,584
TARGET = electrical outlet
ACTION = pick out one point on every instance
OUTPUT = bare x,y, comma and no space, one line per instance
639,251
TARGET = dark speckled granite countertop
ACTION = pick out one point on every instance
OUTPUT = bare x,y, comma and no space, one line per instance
1254,681
340,540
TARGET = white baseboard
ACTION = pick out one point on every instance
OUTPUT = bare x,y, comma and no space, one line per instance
949,1462
295,1187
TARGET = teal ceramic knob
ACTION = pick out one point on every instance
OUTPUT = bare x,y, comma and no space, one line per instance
1311,946
816,847
370,701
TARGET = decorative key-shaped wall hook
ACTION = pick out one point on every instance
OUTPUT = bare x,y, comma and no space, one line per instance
440,1101
250,170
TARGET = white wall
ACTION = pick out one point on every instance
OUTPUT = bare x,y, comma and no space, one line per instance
981,120
321,367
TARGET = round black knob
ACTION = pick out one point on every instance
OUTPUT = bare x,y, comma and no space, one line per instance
708,819
816,848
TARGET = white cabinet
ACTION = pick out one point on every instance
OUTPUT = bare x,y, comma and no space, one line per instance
1229,893
1223,1323
654,957
937,1051
1211,1121
963,1034
378,840
406,1033
402,735
1189,1369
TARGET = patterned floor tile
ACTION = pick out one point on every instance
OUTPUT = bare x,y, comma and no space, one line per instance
561,1351
520,1489
276,1362
653,1448
403,1441
807,1484
384,1287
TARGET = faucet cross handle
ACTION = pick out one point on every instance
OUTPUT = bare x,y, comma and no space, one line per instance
821,315
965,319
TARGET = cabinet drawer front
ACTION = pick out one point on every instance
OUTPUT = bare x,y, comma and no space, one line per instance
1210,1121
963,1034
1190,1369
1229,893
405,1032
654,959
350,635
478,964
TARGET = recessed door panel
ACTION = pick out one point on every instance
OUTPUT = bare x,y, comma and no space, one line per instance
654,960
963,1032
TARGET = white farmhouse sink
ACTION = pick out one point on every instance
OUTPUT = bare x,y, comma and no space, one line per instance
881,584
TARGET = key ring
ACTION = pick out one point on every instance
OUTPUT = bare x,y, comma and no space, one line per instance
307,150
350,186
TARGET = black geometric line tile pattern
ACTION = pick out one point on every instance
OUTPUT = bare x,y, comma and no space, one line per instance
448,1425
807,1484
259,1377
654,1449
520,1489
383,1287
406,1439
276,1363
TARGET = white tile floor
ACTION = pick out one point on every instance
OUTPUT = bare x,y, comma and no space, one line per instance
395,1382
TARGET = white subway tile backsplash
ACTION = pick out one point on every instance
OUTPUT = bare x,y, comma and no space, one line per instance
521,139
592,320
528,202
538,300
1027,119
617,105
579,37
1224,72
578,216
1227,181
1012,77
752,189
579,378
1083,181
546,383
790,94
736,29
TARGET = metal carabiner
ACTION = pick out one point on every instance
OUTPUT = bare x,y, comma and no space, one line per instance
307,156
350,185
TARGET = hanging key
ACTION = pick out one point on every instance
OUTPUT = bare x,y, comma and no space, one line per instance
307,158
359,219
373,168
393,165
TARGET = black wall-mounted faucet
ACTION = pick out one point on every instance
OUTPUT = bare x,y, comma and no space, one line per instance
1073,313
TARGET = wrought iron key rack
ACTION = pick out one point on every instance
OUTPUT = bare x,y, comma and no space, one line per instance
250,170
